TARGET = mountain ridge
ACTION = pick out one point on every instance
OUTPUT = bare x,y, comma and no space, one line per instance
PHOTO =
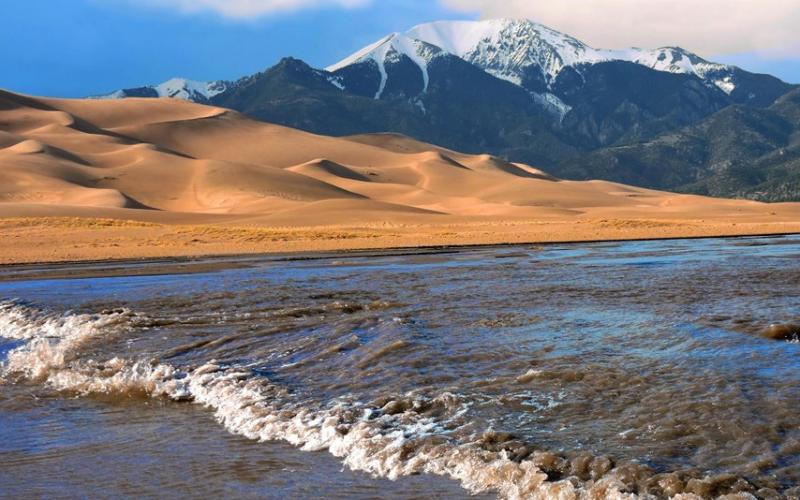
514,88
532,44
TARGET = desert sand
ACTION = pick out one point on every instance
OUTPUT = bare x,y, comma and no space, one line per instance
142,178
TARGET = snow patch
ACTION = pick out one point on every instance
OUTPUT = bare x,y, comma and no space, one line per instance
553,104
726,85
336,82
421,105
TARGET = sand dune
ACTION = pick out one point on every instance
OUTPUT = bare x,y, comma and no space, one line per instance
171,161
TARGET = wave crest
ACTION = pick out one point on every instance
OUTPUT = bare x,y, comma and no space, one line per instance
392,437
53,340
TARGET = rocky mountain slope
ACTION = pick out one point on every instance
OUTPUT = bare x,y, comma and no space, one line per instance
739,151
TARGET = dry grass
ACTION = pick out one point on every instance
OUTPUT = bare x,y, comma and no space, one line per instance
61,239
70,222
637,223
263,235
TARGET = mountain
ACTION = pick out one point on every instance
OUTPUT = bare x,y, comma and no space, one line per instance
177,88
739,151
461,106
545,61
534,56
514,88
618,102
392,50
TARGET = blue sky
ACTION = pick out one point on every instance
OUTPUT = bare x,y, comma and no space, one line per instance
81,47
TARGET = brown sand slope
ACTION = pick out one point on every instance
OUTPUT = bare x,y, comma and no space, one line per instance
172,162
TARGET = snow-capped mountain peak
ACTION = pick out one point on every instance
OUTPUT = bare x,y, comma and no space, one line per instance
181,88
678,60
511,48
505,47
177,88
391,49
552,67
458,37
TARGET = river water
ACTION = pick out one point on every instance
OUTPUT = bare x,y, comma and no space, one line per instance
595,370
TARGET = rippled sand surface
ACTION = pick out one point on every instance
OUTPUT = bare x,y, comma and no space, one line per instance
650,369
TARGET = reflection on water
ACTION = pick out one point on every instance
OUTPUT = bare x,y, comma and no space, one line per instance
631,367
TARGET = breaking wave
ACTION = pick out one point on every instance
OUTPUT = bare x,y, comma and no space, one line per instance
395,437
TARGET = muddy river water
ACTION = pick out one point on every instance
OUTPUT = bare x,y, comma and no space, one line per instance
597,370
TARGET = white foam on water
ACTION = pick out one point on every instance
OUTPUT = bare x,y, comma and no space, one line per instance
365,439
52,339
20,322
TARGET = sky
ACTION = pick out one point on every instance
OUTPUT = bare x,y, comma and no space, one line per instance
75,48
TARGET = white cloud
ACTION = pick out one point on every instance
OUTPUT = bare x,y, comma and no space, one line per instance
710,27
243,9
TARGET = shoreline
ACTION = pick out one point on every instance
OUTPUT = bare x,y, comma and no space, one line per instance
209,262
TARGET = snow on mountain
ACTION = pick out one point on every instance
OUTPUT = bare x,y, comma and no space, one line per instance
176,88
520,51
391,49
677,60
504,47
509,48
180,88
